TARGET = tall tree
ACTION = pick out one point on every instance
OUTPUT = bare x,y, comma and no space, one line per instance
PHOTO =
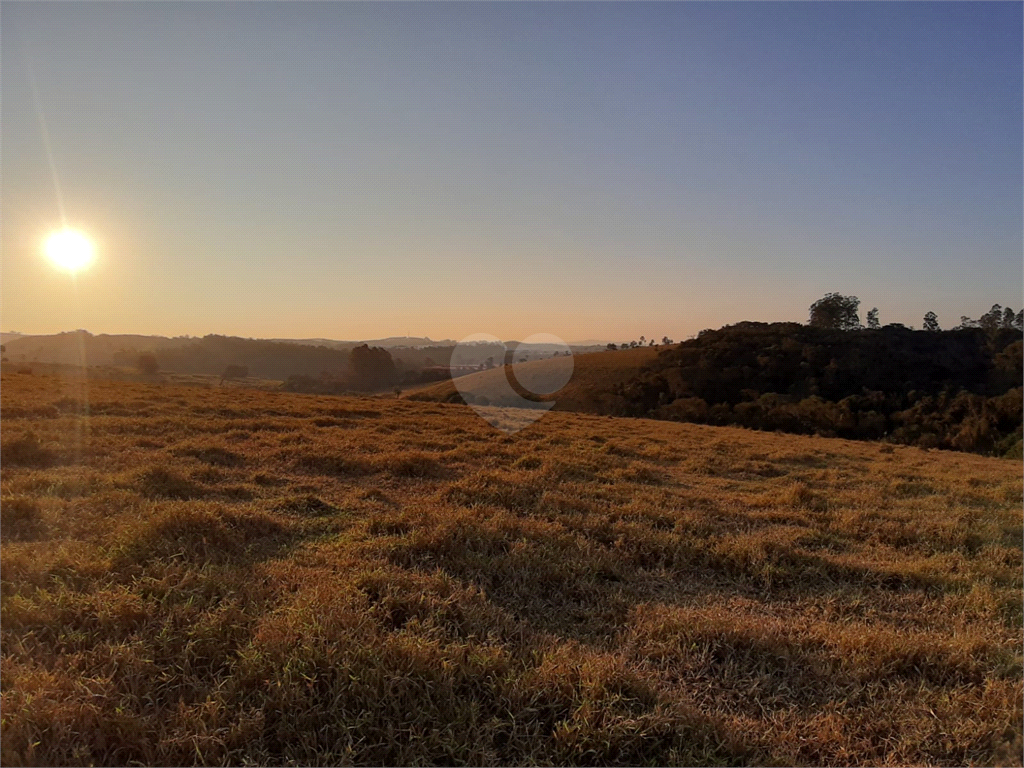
992,319
873,318
372,367
1007,321
835,311
931,321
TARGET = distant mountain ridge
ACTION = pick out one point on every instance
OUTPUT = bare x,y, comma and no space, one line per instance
264,358
387,343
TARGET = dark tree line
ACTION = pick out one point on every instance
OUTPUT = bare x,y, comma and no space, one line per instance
959,389
834,310
262,359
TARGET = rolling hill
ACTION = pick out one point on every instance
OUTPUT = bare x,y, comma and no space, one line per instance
262,578
589,390
958,389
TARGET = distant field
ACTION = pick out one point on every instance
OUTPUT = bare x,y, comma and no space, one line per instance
593,377
215,576
99,372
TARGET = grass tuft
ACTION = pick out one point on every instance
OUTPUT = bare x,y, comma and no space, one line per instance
306,505
20,519
161,482
27,451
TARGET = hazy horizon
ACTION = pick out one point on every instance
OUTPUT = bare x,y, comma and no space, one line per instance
594,171
434,339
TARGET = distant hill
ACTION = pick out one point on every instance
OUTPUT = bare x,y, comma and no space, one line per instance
263,359
388,343
959,389
70,347
208,355
411,353
590,390
956,389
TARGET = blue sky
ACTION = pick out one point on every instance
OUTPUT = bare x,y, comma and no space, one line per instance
594,170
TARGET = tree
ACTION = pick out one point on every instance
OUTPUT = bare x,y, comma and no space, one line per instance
873,323
931,321
992,319
835,311
666,340
650,343
612,346
1007,318
1018,321
642,340
235,372
372,367
966,322
147,363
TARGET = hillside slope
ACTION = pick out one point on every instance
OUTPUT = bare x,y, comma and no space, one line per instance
589,390
71,347
957,389
208,355
244,577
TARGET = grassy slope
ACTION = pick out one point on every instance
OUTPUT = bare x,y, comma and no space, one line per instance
593,376
225,576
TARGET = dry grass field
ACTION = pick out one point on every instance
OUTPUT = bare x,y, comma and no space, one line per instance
233,576
593,376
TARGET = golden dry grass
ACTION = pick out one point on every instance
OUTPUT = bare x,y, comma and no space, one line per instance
588,391
246,577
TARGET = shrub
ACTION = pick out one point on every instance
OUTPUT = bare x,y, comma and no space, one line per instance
147,364
235,372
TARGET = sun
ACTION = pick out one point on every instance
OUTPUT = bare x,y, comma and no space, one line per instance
69,250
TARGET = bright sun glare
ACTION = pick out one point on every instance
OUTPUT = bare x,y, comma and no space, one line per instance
69,249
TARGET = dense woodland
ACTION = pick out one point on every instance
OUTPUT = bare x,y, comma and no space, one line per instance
957,389
263,359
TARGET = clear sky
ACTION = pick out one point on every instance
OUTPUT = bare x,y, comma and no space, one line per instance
589,170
